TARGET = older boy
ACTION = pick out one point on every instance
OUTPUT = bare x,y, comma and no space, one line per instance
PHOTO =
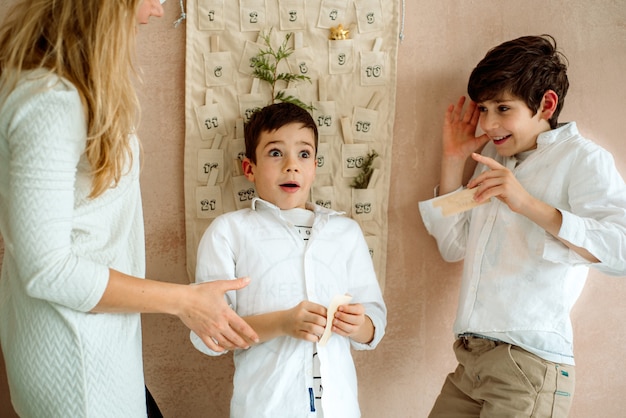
299,256
552,205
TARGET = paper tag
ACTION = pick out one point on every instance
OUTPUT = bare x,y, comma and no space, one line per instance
457,202
337,301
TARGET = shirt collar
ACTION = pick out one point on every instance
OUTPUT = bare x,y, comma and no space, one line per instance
260,204
564,130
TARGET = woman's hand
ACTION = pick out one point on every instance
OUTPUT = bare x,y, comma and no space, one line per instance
206,313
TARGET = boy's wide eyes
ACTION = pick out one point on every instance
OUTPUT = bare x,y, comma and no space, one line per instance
278,153
275,153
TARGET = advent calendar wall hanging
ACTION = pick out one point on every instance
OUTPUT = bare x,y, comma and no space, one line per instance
339,57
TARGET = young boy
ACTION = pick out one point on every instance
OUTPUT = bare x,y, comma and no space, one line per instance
298,256
550,205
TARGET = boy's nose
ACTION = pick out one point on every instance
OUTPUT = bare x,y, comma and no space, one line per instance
291,165
488,122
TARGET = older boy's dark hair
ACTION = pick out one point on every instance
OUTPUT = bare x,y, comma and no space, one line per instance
271,118
525,67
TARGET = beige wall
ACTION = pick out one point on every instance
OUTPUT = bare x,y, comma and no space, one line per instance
444,40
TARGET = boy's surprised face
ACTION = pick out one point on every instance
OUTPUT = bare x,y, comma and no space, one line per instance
285,166
511,125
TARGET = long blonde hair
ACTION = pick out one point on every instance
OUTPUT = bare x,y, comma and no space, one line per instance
91,44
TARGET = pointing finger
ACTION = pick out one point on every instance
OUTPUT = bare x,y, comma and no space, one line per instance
489,162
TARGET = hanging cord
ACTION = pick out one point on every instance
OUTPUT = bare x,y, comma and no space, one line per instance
183,15
402,21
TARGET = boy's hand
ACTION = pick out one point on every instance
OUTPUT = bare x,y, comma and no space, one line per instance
499,182
459,131
459,141
351,321
305,321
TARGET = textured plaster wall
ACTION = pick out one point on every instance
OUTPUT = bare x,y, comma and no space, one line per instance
444,40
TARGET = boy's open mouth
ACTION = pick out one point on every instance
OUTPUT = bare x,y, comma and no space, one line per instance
289,185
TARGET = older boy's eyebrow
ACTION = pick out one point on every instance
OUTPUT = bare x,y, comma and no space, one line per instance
506,97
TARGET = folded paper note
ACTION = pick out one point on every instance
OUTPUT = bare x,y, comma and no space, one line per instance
457,202
337,301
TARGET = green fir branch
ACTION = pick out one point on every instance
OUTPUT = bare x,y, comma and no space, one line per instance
265,68
361,181
280,96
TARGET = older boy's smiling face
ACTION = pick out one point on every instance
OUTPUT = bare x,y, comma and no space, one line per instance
285,166
511,125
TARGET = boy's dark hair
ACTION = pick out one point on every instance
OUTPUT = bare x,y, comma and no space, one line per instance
271,118
525,67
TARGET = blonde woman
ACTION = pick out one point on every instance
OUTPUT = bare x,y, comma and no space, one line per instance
71,288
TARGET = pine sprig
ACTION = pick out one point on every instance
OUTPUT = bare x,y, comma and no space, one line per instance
361,181
265,67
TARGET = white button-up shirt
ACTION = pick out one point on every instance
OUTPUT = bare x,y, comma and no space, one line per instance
272,379
519,282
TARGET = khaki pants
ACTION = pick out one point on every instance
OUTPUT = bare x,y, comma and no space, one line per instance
495,379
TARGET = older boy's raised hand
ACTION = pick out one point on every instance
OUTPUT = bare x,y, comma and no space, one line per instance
459,141
459,131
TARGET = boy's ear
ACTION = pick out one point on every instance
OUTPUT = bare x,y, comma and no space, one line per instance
248,169
548,104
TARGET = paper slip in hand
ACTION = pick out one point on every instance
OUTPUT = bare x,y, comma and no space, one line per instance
337,301
457,202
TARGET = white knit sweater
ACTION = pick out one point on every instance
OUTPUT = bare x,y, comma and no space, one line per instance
61,360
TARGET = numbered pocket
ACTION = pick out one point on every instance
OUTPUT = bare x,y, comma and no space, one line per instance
301,63
363,204
341,56
236,153
365,124
369,14
324,159
353,157
373,68
250,103
243,192
211,15
209,202
332,13
292,15
218,68
374,245
325,117
246,62
208,160
210,121
252,15
323,196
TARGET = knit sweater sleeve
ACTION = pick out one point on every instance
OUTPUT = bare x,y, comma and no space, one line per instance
46,136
